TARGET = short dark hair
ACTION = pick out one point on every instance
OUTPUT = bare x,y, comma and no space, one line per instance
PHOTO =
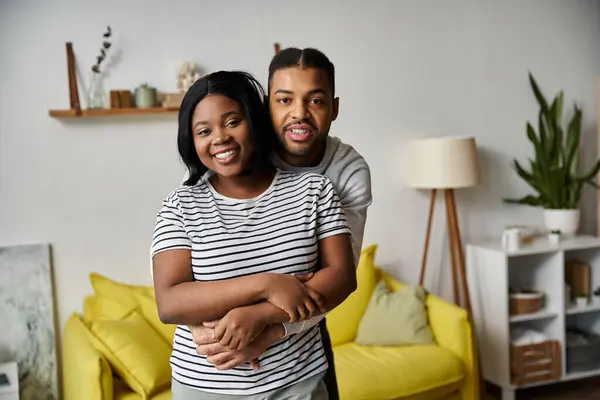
302,58
241,87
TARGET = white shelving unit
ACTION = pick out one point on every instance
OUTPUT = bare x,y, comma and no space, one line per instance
491,271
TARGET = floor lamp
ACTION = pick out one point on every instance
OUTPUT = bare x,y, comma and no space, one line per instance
445,164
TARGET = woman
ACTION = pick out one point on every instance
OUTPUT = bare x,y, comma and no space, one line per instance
239,243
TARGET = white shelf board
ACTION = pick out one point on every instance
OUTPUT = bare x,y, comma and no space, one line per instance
580,310
565,378
541,245
542,314
582,374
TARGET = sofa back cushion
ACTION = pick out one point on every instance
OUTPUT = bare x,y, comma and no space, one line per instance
136,352
343,321
114,299
85,370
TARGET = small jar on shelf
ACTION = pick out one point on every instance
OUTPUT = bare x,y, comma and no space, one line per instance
596,296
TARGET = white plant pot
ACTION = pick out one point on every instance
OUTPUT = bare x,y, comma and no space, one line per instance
565,221
596,300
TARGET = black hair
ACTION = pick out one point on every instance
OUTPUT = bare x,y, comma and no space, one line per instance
241,87
302,58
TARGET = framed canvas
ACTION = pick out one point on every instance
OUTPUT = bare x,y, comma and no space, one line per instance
27,318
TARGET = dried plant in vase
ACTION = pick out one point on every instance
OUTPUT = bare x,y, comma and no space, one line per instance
97,95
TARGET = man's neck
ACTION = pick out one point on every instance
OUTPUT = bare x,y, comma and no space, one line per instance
312,159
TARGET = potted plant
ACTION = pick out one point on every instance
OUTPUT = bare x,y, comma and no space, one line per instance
554,172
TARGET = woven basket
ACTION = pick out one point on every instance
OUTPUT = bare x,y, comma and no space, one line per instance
535,363
525,303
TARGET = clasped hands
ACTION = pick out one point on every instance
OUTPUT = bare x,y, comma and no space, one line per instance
245,333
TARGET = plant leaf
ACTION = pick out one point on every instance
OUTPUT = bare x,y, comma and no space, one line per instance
527,200
538,94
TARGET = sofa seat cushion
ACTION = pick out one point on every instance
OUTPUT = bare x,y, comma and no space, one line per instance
123,392
416,372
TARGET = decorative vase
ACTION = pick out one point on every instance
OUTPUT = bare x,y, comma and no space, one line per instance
565,221
581,301
554,238
97,96
145,96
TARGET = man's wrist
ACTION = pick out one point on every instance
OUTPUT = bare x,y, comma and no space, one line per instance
278,331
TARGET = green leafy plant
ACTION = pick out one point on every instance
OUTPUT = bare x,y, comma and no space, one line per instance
554,172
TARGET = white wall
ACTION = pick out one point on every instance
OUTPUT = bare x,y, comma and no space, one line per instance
404,68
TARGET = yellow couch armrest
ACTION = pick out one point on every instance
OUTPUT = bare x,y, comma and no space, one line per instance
86,374
452,330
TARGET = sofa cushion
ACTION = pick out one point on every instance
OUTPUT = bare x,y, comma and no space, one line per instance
123,392
113,298
395,318
135,351
342,321
421,371
85,371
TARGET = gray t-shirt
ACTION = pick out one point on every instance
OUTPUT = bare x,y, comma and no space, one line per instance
351,178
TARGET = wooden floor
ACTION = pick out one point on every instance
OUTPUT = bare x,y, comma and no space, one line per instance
585,389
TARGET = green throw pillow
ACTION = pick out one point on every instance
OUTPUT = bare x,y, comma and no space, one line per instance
395,318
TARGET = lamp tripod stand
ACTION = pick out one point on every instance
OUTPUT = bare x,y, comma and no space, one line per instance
457,259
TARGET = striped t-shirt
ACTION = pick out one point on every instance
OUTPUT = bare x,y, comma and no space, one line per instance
277,231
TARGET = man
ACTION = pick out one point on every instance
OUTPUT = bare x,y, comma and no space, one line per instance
302,106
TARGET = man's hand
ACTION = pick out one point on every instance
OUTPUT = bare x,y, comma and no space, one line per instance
223,358
289,293
239,327
204,334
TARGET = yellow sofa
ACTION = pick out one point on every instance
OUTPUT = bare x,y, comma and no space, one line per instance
428,372
100,360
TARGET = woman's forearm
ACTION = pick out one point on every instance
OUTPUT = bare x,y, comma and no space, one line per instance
192,303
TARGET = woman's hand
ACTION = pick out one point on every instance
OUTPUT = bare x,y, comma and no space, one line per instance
238,327
289,293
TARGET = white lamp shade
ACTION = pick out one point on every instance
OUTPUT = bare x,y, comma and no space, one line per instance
442,163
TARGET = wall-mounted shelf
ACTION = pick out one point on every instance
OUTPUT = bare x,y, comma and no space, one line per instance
107,112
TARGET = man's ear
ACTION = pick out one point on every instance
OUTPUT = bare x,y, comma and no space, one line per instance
336,108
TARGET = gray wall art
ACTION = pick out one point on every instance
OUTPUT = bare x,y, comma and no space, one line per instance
27,320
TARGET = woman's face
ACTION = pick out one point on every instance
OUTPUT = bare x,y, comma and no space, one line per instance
221,135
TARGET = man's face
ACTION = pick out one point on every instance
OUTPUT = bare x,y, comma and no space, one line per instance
302,108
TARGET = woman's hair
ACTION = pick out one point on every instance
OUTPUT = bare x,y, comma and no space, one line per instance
241,87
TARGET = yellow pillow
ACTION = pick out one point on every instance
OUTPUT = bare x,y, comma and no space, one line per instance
107,287
85,372
127,296
136,352
395,318
101,307
342,322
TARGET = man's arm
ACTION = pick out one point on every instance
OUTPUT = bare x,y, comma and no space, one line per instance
355,197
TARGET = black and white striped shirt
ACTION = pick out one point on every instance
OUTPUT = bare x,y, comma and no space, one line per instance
277,231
